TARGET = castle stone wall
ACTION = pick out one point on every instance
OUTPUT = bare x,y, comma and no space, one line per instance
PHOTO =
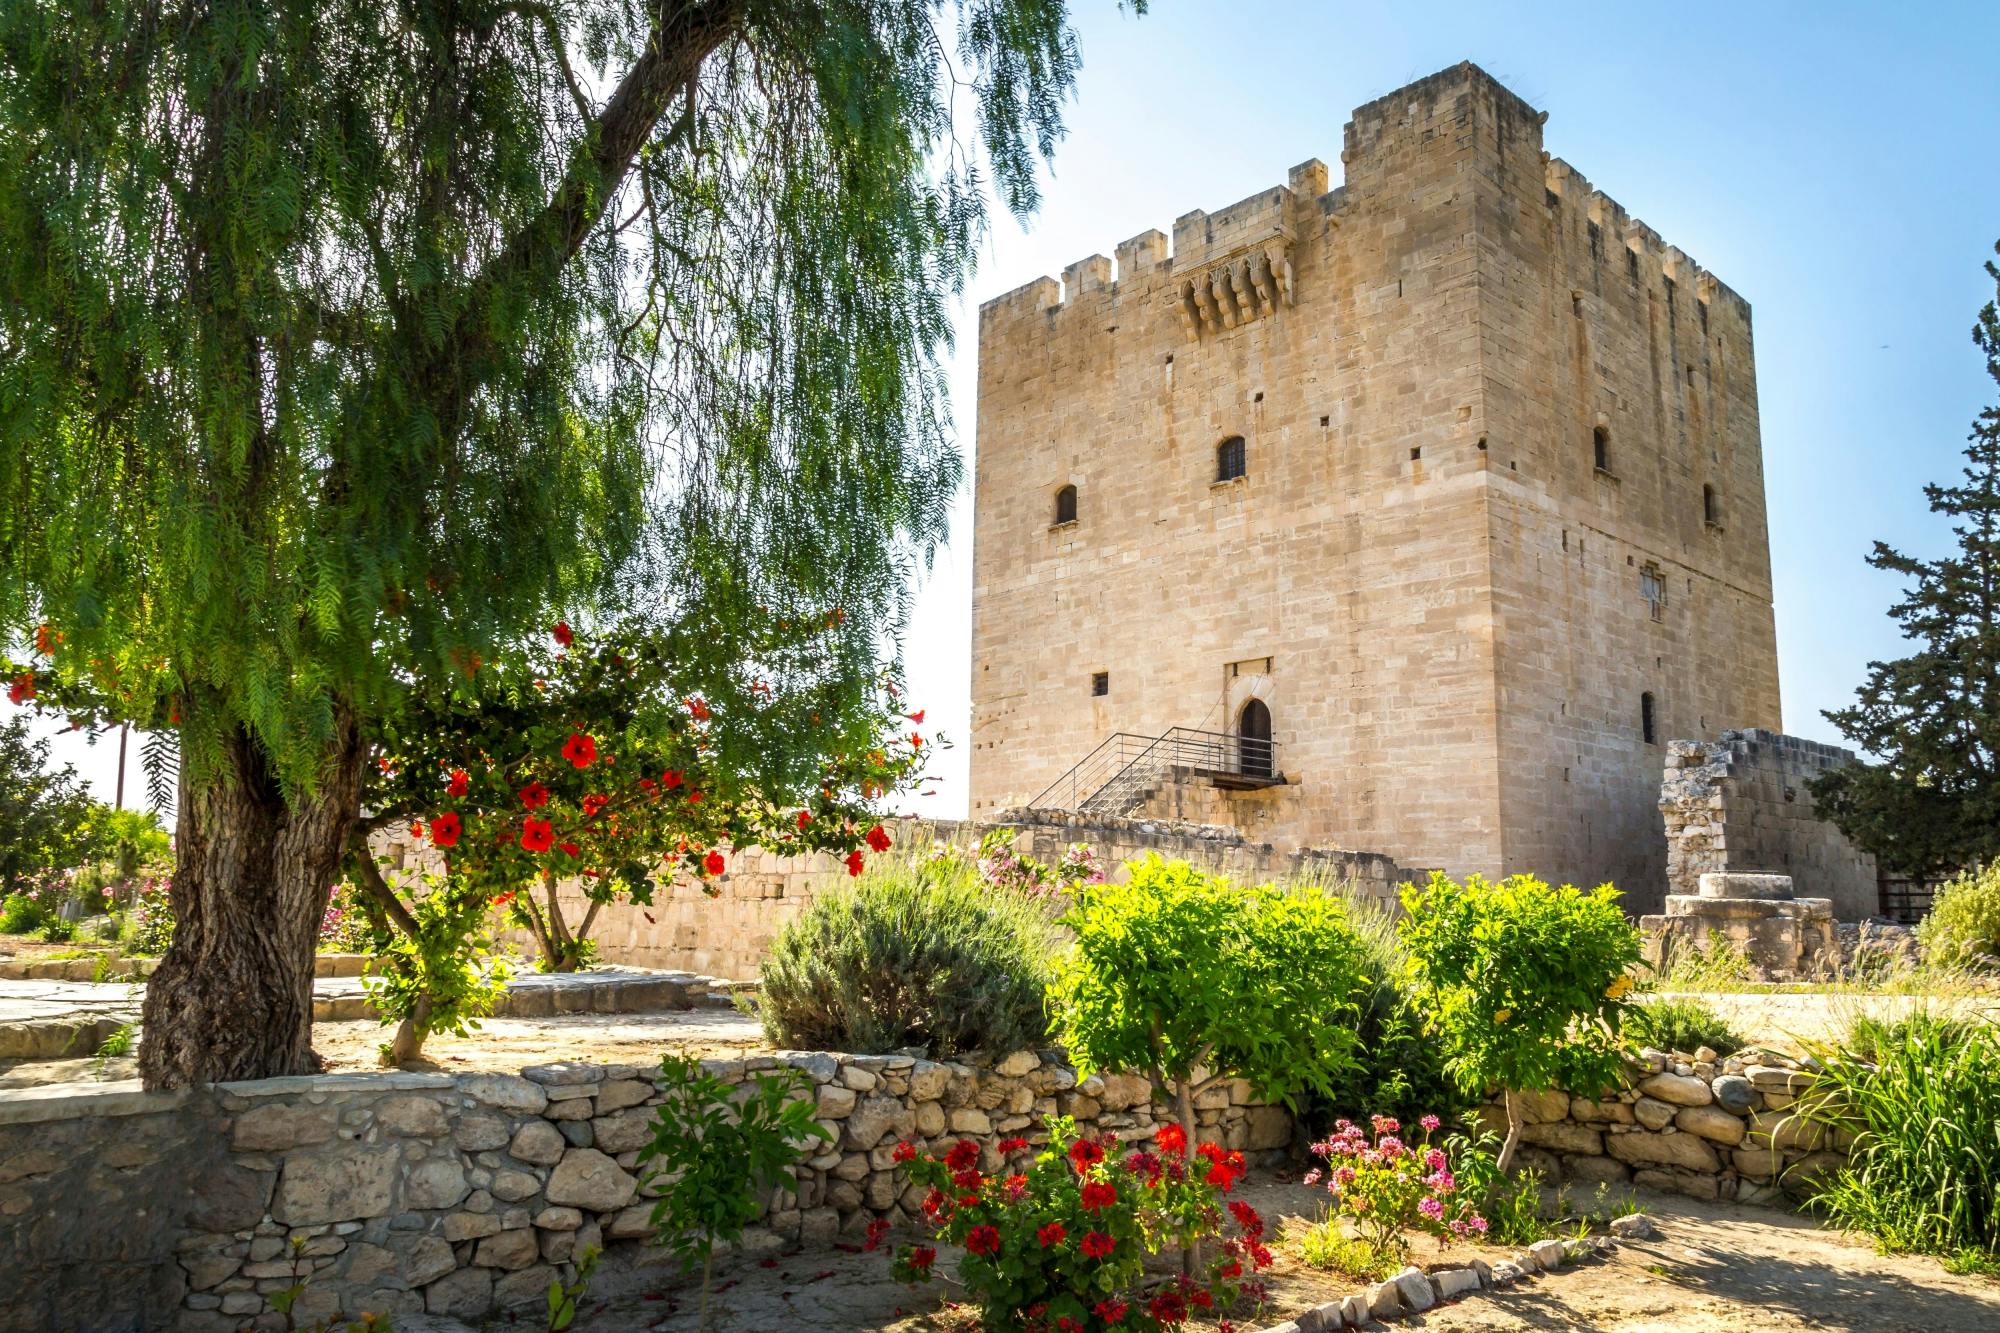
1741,804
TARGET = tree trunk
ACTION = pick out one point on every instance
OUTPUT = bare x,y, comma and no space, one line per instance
408,1043
1513,1138
232,997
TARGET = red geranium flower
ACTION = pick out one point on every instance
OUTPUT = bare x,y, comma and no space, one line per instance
1084,1154
459,784
1167,1308
854,862
562,633
1052,1234
1111,1311
534,796
922,1256
1171,1138
1097,1244
968,1179
878,838
446,828
983,1239
1248,1218
713,863
1098,1194
877,1228
537,835
904,1153
1008,1147
580,750
964,1153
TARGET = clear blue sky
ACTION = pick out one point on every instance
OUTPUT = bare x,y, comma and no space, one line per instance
1838,165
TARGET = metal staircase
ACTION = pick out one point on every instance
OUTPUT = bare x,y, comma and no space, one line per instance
1124,772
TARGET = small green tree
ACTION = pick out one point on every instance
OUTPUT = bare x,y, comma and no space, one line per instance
44,809
1931,804
1520,983
1194,980
716,1153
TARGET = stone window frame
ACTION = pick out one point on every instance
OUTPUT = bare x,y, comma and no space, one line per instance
1649,718
1653,588
1232,452
1066,500
1711,506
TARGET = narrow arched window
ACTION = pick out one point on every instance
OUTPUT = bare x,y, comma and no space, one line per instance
1600,448
1253,744
1648,727
1711,507
1229,463
1066,505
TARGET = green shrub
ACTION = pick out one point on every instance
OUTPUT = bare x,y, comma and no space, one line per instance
55,930
1521,983
1397,1070
915,953
1964,921
1680,1025
1187,976
1924,1171
1716,966
20,915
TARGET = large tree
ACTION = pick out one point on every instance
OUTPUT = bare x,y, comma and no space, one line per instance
1932,803
345,343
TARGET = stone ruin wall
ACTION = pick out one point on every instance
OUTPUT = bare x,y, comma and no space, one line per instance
728,934
1741,805
459,1195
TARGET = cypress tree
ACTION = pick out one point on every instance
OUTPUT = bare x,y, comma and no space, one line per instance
1931,804
344,343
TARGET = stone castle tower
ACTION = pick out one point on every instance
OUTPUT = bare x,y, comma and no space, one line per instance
1446,480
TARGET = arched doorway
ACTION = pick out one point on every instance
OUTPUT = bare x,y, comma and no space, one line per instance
1253,730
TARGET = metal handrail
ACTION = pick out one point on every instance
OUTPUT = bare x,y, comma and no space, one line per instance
1123,769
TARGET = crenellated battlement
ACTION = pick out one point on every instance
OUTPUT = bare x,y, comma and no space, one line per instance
1571,191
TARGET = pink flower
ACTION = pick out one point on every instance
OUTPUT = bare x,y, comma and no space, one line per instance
1430,1123
1432,1209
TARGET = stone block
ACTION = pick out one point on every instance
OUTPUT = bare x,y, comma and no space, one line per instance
334,1186
1712,1123
586,1178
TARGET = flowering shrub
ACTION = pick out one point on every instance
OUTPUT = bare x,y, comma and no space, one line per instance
1058,1243
1003,867
151,918
345,928
1522,985
1390,1186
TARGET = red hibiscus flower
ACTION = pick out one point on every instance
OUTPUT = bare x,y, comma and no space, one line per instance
922,1257
459,785
964,1153
570,849
537,835
671,778
1098,1194
854,862
650,787
712,863
562,633
21,689
1097,1244
417,829
446,828
1084,1154
534,796
593,804
501,900
804,819
694,796
983,1239
1052,1234
878,838
1111,1312
580,750
1171,1139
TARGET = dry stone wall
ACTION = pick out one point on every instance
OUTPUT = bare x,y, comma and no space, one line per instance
1709,1128
460,1195
1741,804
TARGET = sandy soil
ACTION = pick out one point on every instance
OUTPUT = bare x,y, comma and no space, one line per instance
1788,1021
1716,1269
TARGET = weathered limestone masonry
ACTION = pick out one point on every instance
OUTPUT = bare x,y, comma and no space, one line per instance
1500,526
455,1194
1694,1125
1740,803
729,934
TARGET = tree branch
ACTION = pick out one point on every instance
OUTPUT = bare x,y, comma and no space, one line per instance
369,876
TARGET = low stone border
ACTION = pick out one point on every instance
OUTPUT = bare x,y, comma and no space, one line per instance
546,995
1413,1291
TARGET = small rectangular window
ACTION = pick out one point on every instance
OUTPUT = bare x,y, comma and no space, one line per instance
1100,683
1229,460
1646,724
